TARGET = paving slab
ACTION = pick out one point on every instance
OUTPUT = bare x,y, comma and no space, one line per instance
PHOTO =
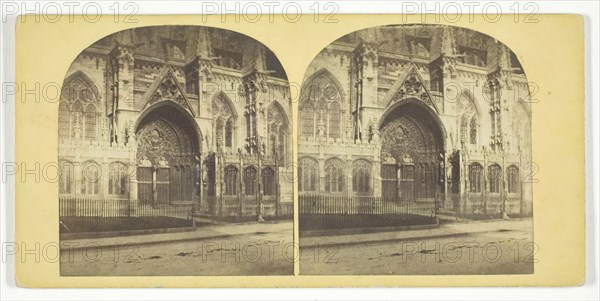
200,233
444,230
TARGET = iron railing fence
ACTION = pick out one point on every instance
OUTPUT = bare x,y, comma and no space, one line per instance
323,212
79,214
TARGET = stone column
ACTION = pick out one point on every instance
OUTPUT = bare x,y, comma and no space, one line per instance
349,176
219,178
104,178
485,181
154,188
321,159
77,186
504,191
133,187
447,199
200,182
464,184
376,176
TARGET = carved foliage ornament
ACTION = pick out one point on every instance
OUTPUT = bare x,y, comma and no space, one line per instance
334,167
413,87
158,140
277,131
321,89
275,117
362,164
220,109
169,90
77,90
403,136
308,163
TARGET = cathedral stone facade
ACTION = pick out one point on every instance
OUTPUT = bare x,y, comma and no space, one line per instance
430,114
183,116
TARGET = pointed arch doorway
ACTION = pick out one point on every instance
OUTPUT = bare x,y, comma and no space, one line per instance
411,153
168,153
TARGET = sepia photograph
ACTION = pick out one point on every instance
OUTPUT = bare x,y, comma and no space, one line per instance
173,143
300,149
414,155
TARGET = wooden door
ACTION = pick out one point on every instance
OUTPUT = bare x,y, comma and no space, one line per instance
407,183
145,191
389,182
175,183
162,186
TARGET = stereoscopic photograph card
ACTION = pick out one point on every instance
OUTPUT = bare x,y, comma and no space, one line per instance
407,150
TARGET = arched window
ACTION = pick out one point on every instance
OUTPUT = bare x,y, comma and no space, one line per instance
473,56
219,132
307,120
78,112
277,132
118,179
320,107
468,113
513,179
334,175
419,47
250,178
231,180
475,175
308,175
268,179
66,177
463,131
361,176
223,118
334,123
64,123
229,133
90,122
90,178
473,130
175,52
494,178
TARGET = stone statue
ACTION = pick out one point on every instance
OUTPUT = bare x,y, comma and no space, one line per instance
130,134
321,126
448,169
374,130
387,158
407,160
145,162
162,162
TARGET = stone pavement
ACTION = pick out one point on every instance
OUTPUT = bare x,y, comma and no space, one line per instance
200,233
444,230
225,231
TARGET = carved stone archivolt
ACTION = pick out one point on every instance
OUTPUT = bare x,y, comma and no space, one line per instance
405,136
159,140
